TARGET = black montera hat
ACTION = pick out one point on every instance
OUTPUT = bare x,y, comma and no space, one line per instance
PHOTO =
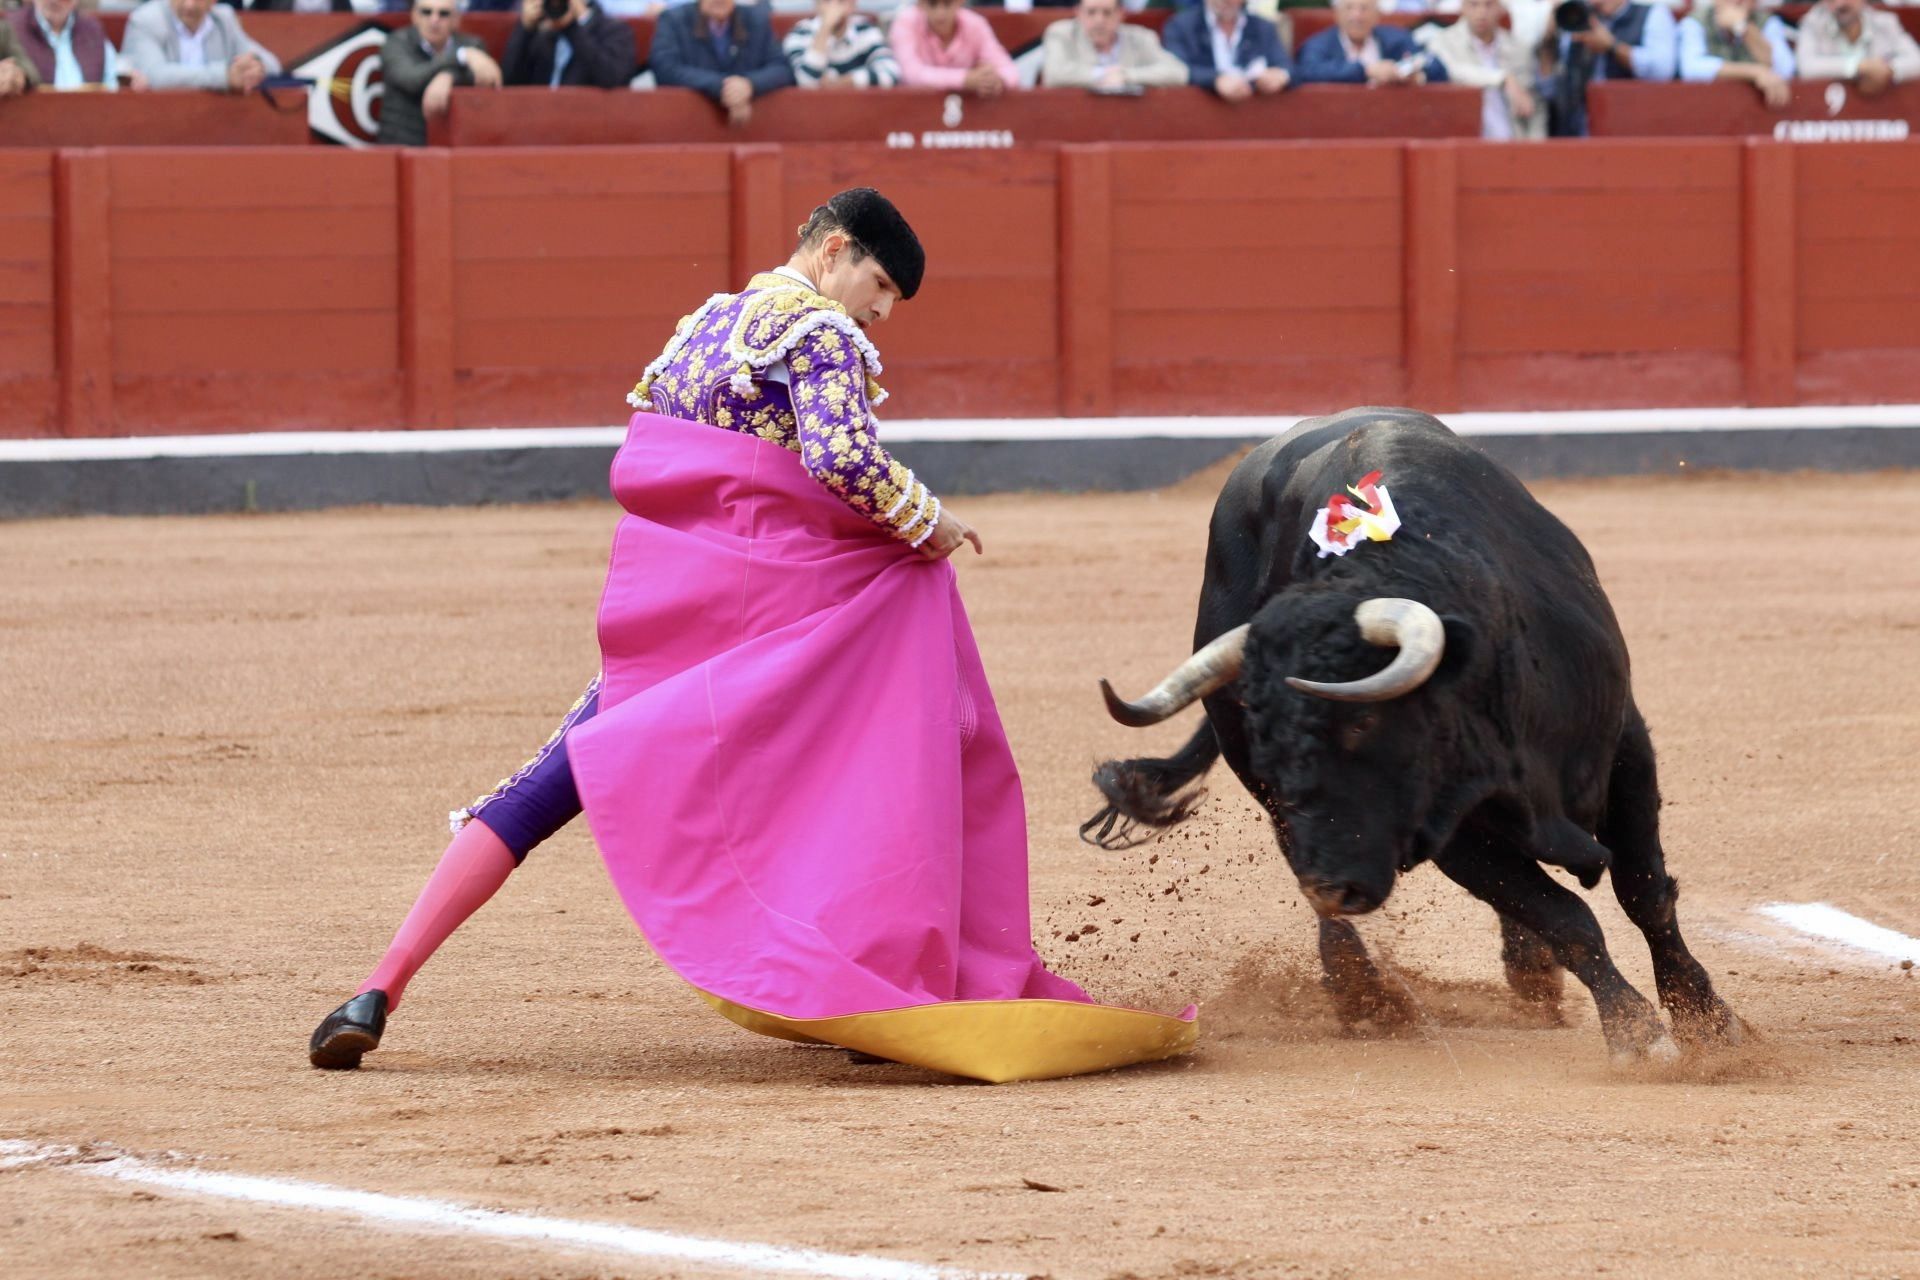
871,219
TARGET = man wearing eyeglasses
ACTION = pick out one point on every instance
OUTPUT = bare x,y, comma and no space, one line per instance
421,64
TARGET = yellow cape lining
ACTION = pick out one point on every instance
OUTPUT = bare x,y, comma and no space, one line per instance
992,1040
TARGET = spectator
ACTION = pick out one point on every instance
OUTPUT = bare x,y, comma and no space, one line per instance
836,48
1845,40
17,72
68,50
1228,50
1623,40
1478,51
568,42
1094,49
195,44
1358,50
421,64
1721,40
943,45
725,50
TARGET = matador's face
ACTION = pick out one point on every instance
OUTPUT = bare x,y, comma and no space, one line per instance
856,281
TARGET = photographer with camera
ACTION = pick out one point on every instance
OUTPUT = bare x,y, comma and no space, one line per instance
1722,41
1601,40
568,42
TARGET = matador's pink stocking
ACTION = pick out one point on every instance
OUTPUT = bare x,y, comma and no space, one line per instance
472,870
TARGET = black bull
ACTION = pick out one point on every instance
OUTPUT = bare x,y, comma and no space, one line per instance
1503,734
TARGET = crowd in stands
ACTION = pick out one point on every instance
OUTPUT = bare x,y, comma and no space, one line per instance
1533,59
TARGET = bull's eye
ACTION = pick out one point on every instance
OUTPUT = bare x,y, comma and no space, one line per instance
1354,736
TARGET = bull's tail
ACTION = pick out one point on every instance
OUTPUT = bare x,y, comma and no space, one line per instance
1145,795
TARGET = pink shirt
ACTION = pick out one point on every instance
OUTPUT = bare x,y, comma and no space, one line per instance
927,63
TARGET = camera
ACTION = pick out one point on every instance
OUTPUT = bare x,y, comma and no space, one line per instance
1573,16
557,9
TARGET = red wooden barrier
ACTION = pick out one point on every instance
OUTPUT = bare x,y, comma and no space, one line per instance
1600,275
1245,278
1852,242
173,119
1818,112
576,117
569,269
167,290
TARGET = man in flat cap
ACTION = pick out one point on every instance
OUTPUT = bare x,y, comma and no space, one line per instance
790,759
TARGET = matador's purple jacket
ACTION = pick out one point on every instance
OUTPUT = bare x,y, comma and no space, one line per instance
789,365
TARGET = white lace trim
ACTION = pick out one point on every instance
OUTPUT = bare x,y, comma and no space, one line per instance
675,345
798,333
933,522
906,490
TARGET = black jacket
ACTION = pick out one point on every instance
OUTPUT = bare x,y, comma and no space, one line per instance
602,53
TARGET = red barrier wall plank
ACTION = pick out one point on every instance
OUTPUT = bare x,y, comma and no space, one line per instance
84,272
984,335
29,390
1602,166
1273,326
1089,232
1767,269
559,303
1340,224
1432,229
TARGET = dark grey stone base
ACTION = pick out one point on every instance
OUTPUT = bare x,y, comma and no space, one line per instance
302,482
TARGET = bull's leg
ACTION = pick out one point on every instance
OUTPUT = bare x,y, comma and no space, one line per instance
1512,883
1648,894
1361,994
1532,972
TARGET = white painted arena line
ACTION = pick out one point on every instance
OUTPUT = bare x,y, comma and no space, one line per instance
405,1212
958,431
1831,924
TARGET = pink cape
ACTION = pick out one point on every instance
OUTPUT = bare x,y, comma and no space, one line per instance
797,776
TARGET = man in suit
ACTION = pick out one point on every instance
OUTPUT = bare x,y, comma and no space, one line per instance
725,50
1845,40
1358,50
195,44
1478,51
1094,49
1230,51
568,42
420,65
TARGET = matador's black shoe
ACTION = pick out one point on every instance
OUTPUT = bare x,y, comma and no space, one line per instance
349,1031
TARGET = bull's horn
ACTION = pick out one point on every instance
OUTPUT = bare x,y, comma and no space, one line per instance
1215,665
1387,621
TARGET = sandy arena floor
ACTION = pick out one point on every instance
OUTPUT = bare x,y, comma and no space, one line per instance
230,743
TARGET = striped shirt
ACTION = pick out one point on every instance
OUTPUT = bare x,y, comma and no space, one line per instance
859,55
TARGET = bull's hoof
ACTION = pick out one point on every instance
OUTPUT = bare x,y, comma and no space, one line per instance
1709,1026
1660,1052
1376,1007
1636,1035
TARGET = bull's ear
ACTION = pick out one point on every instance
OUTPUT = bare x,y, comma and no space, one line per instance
1462,652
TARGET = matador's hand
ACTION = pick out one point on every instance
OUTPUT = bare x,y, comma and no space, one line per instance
947,536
